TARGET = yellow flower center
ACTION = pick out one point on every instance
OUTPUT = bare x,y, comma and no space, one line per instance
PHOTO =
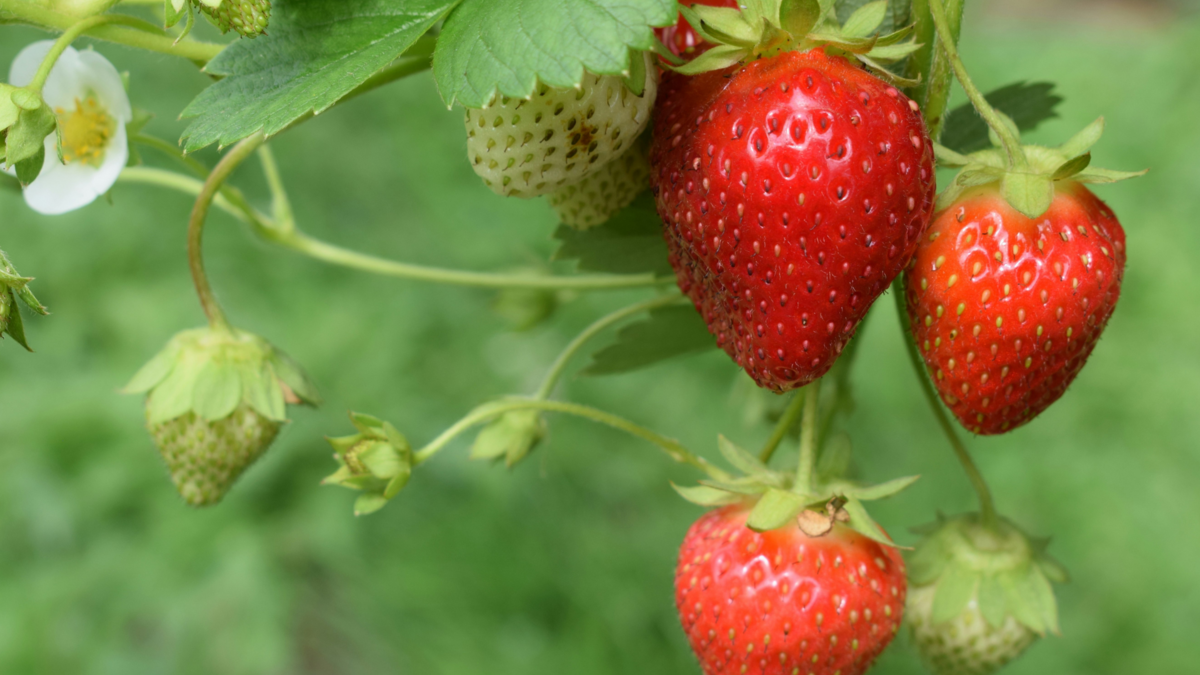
85,132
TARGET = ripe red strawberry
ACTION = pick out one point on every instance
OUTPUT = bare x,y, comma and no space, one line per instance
1006,309
793,189
781,602
681,38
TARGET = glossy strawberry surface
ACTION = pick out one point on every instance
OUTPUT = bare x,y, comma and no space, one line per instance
681,38
1006,309
781,602
792,190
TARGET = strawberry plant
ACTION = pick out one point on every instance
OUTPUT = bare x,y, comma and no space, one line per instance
759,172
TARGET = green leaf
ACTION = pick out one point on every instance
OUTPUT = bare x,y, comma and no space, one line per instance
1053,570
727,24
1028,193
799,17
155,370
262,392
703,495
896,13
631,242
667,333
743,486
1028,104
1083,141
1103,176
954,591
1024,602
507,46
315,53
217,391
290,373
866,19
721,56
776,509
927,563
883,490
740,458
173,396
1044,595
369,503
381,460
864,524
1072,167
992,601
893,52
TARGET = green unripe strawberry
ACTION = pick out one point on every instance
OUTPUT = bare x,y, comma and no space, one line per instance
603,192
216,399
979,596
248,17
556,137
377,461
966,644
206,457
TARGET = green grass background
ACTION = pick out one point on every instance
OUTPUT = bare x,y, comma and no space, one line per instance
563,565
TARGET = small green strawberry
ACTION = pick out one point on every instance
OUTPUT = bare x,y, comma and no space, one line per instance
511,436
979,597
215,400
377,461
13,286
605,191
556,137
248,17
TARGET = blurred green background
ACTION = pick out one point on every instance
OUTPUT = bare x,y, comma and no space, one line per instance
563,565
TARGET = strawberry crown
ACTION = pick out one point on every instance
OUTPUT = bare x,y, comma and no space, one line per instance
816,501
1005,571
378,461
213,372
766,27
1027,181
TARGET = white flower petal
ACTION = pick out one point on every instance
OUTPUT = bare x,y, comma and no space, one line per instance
61,188
115,159
25,66
101,76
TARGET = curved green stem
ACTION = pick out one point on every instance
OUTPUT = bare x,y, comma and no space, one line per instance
171,150
560,364
488,411
281,205
790,415
235,204
231,160
70,35
808,439
987,507
156,41
930,65
1010,141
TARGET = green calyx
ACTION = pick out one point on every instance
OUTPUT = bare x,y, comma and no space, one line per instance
12,287
780,498
1028,184
511,437
1006,573
767,27
377,461
25,122
212,372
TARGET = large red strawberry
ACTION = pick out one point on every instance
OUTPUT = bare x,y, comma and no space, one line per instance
681,38
782,602
793,189
1005,309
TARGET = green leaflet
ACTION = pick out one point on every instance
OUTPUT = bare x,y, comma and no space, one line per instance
954,590
992,600
291,374
315,53
665,333
775,509
703,495
882,490
1028,104
507,46
368,503
866,20
896,14
926,563
173,395
261,391
631,242
1024,600
217,391
864,524
742,459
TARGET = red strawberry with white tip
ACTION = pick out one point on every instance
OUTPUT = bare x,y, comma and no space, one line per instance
793,189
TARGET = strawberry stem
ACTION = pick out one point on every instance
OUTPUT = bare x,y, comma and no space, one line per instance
560,364
489,411
987,508
195,233
790,416
930,66
808,439
70,35
1008,139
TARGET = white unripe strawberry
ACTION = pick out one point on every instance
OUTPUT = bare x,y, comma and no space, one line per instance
603,192
556,137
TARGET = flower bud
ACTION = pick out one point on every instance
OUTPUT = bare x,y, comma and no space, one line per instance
377,461
513,435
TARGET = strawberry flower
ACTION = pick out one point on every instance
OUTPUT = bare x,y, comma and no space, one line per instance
89,149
